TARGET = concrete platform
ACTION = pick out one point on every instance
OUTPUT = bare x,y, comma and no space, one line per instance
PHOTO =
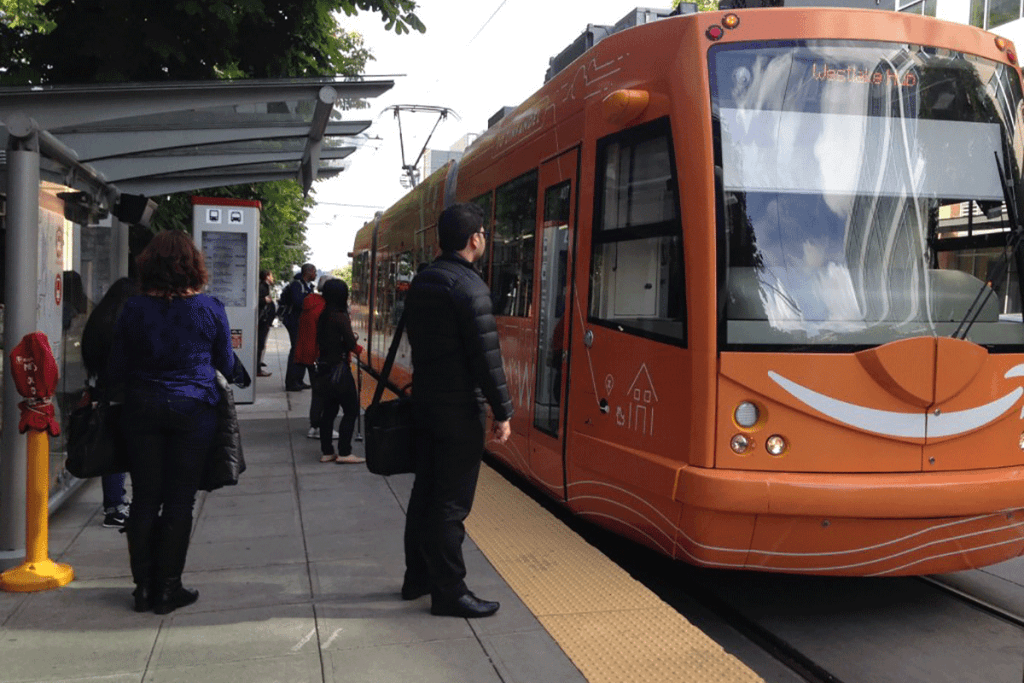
298,568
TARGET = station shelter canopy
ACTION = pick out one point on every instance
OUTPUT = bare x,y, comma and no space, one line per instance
159,138
111,147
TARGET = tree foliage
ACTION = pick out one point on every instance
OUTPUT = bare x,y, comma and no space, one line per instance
90,41
126,40
344,273
24,14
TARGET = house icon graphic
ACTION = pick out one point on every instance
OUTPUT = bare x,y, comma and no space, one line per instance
642,398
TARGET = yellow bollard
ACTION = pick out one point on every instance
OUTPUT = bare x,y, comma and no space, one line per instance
38,572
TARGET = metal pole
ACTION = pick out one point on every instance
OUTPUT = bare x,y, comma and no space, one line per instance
21,282
359,390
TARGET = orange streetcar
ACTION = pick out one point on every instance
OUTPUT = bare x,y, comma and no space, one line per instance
757,282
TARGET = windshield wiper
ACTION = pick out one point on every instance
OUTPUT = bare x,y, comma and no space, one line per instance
1001,269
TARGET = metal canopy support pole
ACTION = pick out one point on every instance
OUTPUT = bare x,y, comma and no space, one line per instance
21,273
310,164
120,244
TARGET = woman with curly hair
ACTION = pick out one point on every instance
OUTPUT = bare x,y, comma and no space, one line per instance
169,341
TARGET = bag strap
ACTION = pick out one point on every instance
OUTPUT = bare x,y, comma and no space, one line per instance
389,361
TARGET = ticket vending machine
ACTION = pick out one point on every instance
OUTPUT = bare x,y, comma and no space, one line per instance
227,231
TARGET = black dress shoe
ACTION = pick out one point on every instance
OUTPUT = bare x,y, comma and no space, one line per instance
467,606
294,388
173,595
412,590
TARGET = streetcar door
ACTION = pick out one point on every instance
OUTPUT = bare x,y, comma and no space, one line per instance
631,380
555,239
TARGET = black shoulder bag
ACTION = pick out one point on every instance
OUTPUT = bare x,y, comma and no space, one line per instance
96,445
389,424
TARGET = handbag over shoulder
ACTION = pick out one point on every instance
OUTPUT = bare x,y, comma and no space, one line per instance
389,424
96,445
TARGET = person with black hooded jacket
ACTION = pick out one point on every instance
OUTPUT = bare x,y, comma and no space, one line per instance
334,382
456,358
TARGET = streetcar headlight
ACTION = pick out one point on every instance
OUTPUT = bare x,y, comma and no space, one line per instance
739,443
746,415
1020,441
775,445
731,21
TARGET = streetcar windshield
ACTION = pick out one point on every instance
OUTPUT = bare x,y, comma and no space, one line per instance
859,193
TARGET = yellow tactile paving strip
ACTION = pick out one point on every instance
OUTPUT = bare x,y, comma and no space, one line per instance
612,628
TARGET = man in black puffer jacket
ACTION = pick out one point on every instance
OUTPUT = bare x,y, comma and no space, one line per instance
456,361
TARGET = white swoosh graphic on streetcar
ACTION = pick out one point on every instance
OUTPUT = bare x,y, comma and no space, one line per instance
891,423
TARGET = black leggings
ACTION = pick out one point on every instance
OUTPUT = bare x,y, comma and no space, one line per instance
337,395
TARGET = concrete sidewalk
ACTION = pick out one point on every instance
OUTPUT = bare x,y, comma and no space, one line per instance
298,570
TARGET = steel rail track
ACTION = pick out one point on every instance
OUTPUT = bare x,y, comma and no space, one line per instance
974,601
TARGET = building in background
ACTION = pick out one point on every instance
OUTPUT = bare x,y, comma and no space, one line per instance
1002,17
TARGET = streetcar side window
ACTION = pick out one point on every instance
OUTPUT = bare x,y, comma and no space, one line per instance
360,277
484,202
636,273
512,243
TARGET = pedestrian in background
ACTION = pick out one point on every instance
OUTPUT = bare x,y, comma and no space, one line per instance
456,360
267,311
307,352
97,340
333,381
168,344
290,305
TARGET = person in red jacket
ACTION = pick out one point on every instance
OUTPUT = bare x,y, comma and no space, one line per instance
307,351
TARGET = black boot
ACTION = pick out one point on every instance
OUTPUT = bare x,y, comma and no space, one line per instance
143,594
171,595
171,552
142,545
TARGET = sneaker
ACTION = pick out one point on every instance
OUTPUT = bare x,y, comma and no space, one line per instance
116,518
263,373
349,459
328,457
313,433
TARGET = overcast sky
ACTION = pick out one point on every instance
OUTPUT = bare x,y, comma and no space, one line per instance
474,59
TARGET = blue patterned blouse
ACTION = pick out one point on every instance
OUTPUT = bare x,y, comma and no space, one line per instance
172,345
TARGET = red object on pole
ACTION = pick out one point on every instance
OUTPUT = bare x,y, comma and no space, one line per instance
35,376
